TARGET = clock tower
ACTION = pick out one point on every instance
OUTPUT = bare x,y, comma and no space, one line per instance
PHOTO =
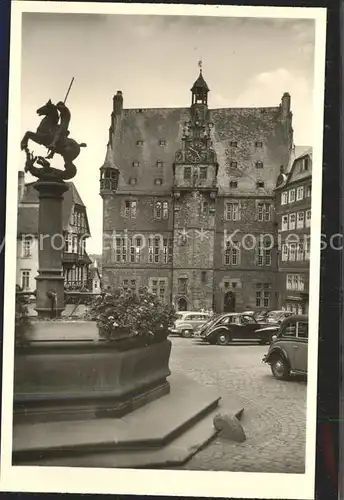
194,193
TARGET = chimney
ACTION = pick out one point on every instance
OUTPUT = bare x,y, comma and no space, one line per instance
118,103
21,185
285,105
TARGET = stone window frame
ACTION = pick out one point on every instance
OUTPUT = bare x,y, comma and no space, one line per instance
130,208
263,256
203,173
25,276
233,184
182,280
229,212
258,144
233,164
136,164
121,249
159,164
187,170
259,166
132,181
139,142
205,206
227,280
233,144
308,191
232,254
157,284
162,142
135,252
27,244
263,297
263,211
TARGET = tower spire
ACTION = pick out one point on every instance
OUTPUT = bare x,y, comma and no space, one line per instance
200,88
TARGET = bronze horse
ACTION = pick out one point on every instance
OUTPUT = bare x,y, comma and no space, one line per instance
54,136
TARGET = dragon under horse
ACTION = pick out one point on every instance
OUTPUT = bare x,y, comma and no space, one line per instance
53,133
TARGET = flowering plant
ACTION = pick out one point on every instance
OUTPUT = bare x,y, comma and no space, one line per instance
125,313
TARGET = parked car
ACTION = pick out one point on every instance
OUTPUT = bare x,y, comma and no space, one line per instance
224,328
289,349
250,313
277,316
188,321
261,315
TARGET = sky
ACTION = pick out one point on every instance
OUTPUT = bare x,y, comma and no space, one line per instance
154,61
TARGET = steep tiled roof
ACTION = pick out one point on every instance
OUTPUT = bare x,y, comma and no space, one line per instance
243,125
297,173
28,215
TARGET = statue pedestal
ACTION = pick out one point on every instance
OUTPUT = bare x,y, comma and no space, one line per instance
50,279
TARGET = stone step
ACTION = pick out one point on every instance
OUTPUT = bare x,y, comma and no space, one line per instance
153,425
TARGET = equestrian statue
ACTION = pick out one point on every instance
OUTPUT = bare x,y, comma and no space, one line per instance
53,133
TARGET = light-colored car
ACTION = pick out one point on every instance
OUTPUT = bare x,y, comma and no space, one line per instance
187,322
289,349
277,316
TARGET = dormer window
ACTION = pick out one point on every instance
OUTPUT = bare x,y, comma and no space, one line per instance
139,143
259,144
259,164
162,142
136,163
233,184
260,184
159,164
234,164
233,144
132,181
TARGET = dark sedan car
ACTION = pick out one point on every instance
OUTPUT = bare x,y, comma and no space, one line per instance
225,328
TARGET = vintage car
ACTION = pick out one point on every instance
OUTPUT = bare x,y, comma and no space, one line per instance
188,321
277,316
224,328
288,351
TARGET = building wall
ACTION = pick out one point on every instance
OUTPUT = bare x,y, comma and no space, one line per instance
250,144
29,264
297,264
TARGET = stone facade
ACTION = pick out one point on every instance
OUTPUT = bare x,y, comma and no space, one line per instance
177,183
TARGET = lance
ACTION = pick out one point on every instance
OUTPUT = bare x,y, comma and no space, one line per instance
70,86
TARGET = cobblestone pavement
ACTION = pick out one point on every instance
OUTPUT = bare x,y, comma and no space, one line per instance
274,417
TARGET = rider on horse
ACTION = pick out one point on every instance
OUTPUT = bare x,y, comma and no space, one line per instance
62,131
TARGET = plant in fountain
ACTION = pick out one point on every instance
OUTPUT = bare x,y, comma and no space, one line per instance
135,315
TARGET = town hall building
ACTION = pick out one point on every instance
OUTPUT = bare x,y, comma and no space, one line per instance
188,194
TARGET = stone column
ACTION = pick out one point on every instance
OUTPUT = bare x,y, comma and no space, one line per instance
50,279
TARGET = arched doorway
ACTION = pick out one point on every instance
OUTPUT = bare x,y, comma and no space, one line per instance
229,302
182,304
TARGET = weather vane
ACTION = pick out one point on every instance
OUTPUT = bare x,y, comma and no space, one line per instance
200,63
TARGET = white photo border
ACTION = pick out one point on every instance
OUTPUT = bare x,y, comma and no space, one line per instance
161,482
